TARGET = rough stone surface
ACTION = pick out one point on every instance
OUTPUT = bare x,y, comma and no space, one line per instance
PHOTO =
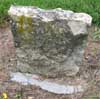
49,42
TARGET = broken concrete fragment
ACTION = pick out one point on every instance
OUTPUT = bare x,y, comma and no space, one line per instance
27,79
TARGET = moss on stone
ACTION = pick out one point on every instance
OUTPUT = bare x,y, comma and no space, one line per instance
20,24
23,20
29,24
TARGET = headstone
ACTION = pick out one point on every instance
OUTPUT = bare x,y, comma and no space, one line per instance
49,42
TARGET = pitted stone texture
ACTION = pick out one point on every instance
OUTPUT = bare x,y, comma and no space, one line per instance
49,42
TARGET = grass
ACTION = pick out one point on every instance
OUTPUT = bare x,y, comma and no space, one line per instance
91,7
96,35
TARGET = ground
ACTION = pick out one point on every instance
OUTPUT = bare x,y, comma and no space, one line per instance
90,71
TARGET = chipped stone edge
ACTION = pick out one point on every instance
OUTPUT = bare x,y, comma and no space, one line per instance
83,17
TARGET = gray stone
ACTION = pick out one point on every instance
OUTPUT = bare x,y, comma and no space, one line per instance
27,79
49,42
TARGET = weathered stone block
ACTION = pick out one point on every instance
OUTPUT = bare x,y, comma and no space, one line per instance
49,42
